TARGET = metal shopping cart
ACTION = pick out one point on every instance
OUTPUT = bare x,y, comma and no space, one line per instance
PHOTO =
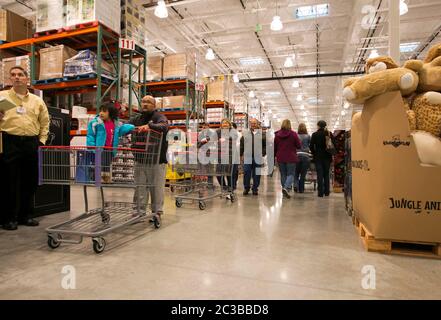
311,176
200,189
101,168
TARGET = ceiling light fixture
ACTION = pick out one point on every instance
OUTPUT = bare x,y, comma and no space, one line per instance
295,84
235,78
374,54
403,8
210,54
346,105
299,97
276,24
161,10
302,107
251,94
288,63
343,113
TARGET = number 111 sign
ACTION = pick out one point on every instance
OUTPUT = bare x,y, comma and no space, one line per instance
127,44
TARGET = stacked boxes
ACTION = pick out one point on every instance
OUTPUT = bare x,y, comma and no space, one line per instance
14,27
173,102
133,22
8,63
85,62
105,11
220,89
52,61
50,15
177,66
56,14
215,115
154,68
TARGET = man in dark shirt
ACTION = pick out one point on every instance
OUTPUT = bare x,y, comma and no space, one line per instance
154,175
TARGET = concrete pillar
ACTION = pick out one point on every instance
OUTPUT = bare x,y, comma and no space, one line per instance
394,30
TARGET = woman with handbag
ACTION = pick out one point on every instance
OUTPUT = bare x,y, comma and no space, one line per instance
322,149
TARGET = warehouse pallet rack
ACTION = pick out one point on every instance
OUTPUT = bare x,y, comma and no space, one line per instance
97,38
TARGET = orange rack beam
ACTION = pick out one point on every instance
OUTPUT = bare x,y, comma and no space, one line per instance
166,85
216,104
175,115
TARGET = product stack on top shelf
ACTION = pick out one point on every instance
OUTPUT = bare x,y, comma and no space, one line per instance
179,66
220,89
59,14
133,22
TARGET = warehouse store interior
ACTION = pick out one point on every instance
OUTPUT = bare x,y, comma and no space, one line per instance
335,195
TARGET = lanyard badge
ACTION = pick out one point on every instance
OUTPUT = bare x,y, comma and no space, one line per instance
21,110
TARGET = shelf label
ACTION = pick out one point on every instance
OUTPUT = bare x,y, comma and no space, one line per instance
127,44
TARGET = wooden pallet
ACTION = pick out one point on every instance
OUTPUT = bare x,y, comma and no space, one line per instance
396,247
48,32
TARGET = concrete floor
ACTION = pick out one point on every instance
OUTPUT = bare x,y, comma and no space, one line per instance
258,248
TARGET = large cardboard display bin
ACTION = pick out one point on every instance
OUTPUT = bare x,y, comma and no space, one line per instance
394,196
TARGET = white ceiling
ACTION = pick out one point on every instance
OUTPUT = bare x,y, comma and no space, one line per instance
333,44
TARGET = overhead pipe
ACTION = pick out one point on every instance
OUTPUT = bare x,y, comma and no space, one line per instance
305,76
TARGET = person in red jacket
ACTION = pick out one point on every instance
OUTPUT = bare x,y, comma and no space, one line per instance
286,144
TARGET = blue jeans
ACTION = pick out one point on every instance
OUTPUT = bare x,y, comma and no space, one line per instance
301,171
249,170
287,171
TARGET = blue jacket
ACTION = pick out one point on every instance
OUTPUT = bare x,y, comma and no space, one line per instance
96,132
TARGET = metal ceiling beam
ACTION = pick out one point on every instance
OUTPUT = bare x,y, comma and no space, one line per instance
305,76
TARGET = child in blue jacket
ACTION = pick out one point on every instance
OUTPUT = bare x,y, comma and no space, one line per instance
104,131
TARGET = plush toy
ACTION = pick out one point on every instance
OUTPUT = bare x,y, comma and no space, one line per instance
380,80
430,73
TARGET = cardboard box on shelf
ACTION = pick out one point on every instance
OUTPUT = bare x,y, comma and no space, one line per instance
154,68
133,22
179,65
52,61
14,27
108,12
394,196
50,15
173,102
220,89
21,61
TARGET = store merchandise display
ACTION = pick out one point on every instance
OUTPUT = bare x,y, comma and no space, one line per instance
396,170
174,102
85,62
339,160
179,66
220,89
52,61
50,15
215,115
14,27
108,12
21,61
154,68
133,22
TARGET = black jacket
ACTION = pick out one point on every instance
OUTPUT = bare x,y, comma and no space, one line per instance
158,122
318,145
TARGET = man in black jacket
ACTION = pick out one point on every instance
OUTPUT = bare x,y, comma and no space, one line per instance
150,118
322,158
252,159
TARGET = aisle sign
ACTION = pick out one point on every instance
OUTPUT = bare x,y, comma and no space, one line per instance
127,44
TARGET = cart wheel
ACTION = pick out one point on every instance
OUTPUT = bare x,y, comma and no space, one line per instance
178,203
202,205
105,218
157,222
99,244
52,242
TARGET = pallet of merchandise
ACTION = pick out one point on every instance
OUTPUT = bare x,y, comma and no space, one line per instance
396,247
74,78
48,32
173,79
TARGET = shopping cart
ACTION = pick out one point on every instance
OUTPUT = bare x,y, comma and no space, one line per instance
201,190
311,175
101,168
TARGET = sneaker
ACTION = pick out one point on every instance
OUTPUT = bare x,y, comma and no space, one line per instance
246,192
286,193
228,197
10,226
255,193
29,223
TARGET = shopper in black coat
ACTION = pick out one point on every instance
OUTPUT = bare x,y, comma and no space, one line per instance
322,158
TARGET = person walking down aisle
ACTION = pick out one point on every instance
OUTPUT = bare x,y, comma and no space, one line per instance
150,118
322,158
304,159
225,148
252,159
286,144
24,128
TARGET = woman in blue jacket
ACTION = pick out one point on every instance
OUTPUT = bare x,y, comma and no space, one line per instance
104,131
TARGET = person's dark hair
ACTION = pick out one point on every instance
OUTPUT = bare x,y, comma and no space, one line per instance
19,68
234,125
322,124
113,111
